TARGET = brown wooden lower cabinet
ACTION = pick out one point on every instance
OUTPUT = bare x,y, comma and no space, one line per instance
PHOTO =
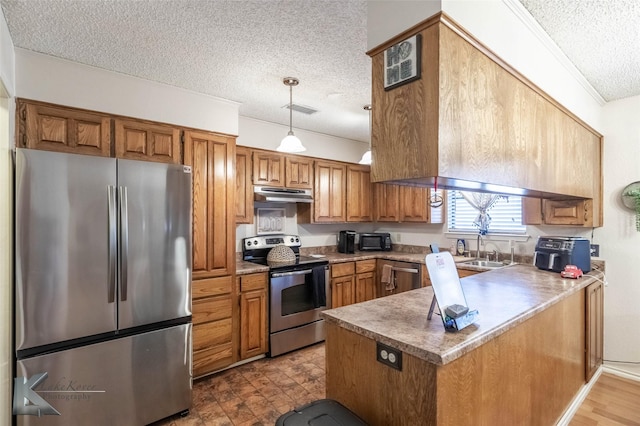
594,312
365,280
253,314
213,317
342,284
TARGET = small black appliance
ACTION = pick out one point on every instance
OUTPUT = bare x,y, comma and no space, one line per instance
554,253
347,241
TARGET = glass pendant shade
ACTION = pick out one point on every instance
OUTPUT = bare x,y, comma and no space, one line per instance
291,143
366,158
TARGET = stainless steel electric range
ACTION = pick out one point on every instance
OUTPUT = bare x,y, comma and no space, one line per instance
298,290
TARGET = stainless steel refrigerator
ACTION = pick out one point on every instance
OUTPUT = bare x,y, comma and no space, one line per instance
102,290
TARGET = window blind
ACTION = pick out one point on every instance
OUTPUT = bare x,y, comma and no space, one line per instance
506,215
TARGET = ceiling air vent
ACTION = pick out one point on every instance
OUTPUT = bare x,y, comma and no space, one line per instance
302,109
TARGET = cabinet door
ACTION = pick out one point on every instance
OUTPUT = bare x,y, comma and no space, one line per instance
298,172
329,192
211,157
268,169
253,314
359,194
413,204
594,328
365,287
141,140
54,128
568,212
387,202
244,186
342,291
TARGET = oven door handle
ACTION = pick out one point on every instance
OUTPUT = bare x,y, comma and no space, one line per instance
288,274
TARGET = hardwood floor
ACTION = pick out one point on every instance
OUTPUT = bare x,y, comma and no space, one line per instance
612,401
259,392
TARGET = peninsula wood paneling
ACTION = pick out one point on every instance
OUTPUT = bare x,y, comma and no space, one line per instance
527,375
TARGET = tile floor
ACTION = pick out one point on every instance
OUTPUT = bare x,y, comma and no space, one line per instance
257,393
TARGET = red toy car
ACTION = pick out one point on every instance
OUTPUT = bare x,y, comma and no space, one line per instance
571,271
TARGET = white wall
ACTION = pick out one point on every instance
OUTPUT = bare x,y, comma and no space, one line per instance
6,221
387,19
262,134
49,79
618,238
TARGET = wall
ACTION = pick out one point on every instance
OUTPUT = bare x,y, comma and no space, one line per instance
6,221
49,79
618,238
405,15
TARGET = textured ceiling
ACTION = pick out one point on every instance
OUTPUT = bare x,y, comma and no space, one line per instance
241,50
600,37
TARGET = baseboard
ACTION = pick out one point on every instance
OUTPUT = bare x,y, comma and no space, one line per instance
621,373
578,399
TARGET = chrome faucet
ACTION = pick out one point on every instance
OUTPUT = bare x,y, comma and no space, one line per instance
478,246
495,253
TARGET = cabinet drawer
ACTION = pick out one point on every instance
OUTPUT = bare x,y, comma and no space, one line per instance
343,269
211,287
211,334
253,282
212,359
211,309
365,266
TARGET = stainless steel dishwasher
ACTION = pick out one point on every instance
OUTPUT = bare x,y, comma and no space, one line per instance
402,276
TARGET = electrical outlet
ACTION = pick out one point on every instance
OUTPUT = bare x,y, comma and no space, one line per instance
389,356
595,250
398,237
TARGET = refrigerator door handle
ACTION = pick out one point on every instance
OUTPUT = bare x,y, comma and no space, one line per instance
124,242
113,238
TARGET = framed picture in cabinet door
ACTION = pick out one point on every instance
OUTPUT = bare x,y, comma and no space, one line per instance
270,221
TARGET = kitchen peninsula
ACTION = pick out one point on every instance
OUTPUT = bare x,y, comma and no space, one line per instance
522,361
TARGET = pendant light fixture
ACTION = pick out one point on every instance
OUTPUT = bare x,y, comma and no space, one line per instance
291,143
366,157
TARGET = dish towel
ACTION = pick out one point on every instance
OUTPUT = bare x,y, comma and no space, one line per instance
387,277
316,282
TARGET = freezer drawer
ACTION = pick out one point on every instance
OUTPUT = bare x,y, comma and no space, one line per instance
133,380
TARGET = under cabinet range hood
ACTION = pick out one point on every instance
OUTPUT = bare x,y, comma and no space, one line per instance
282,195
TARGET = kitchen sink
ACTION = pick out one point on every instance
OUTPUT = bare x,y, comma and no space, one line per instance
484,263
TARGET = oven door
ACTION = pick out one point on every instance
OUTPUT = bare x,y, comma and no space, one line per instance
291,300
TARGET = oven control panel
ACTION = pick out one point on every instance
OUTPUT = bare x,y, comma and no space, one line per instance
270,241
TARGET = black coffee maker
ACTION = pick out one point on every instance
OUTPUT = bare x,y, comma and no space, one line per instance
347,241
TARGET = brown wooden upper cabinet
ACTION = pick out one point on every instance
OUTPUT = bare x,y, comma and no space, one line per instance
471,117
77,131
268,168
359,194
557,212
329,202
57,128
211,157
401,203
274,169
298,172
141,140
244,186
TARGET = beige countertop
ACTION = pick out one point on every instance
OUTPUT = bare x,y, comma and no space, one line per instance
504,298
243,268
